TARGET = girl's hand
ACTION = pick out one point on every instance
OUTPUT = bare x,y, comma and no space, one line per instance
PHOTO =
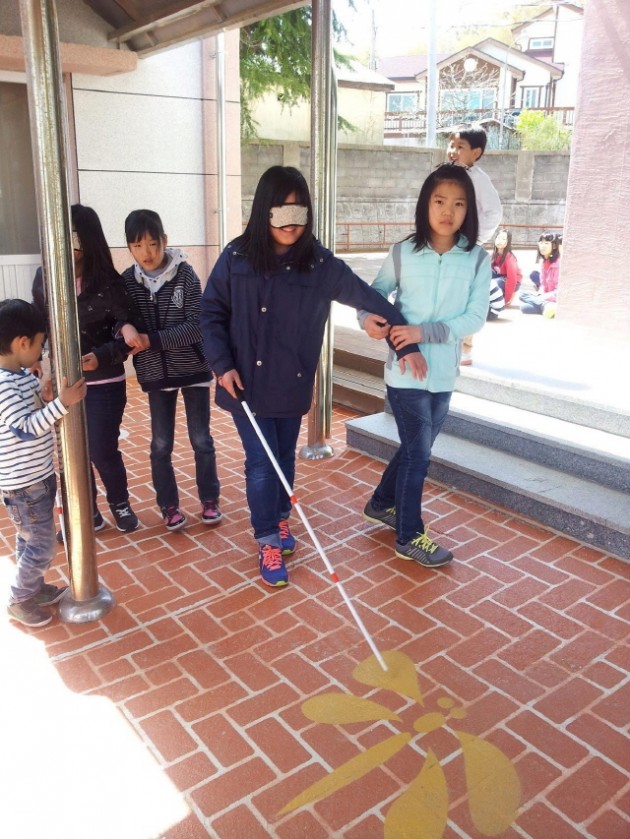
376,327
416,362
402,336
131,336
229,380
89,361
141,343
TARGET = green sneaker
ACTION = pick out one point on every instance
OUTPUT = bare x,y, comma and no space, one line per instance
424,550
29,613
48,594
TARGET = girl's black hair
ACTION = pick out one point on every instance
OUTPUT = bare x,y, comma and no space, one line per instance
18,319
140,222
506,250
555,239
274,187
455,174
98,267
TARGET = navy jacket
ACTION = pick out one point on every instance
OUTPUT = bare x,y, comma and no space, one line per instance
270,328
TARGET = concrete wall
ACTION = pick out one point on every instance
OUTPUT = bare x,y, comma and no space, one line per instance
594,287
376,184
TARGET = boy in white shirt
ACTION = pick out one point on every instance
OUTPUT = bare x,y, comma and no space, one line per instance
466,145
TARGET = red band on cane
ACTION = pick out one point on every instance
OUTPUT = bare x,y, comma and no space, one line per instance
334,577
293,499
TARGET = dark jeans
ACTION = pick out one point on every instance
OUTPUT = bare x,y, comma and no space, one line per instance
419,417
104,409
31,511
163,406
267,499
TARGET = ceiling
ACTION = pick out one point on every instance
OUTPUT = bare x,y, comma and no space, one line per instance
147,26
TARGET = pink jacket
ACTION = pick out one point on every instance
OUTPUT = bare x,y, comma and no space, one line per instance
510,270
549,279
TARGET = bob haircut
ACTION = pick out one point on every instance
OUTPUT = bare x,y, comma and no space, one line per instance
274,187
18,319
556,241
142,222
98,267
507,249
447,172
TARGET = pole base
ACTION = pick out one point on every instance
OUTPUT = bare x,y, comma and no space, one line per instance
316,451
85,611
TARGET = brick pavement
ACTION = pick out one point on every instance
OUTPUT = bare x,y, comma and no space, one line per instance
182,713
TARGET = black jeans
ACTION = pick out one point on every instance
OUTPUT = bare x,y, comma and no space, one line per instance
163,405
104,409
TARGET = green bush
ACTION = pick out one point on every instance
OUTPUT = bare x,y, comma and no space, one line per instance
542,133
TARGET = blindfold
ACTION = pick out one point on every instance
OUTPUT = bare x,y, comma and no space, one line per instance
287,215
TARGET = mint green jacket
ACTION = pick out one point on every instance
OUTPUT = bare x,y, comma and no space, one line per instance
448,295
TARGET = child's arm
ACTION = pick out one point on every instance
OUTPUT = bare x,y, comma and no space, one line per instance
26,421
216,316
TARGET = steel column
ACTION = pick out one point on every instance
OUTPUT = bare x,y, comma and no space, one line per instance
86,600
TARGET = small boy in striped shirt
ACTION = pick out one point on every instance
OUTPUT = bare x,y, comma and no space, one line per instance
27,476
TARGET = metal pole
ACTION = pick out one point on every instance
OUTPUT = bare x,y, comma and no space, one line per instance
221,148
86,600
432,85
321,157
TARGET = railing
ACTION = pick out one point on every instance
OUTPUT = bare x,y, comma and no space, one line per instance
413,124
375,236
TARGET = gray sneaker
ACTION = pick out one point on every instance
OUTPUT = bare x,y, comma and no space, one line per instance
29,613
424,550
48,594
386,516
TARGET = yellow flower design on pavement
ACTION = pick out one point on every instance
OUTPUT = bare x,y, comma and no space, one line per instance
421,811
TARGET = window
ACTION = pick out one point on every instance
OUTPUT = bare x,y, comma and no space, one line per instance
400,103
540,44
465,99
530,97
18,211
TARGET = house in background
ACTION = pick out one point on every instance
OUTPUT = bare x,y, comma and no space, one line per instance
361,102
491,82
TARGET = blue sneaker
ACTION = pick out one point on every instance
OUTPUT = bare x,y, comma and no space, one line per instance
287,539
272,567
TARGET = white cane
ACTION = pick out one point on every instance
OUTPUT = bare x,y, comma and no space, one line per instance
241,397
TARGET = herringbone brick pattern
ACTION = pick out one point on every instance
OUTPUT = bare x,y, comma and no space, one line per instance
179,715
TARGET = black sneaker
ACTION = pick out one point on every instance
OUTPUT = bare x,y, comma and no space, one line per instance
386,516
48,594
99,521
424,550
124,517
29,613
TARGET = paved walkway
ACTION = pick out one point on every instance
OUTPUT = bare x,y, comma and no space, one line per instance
206,705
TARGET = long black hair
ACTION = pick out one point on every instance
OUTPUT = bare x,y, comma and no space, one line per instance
98,267
556,241
274,186
506,250
455,174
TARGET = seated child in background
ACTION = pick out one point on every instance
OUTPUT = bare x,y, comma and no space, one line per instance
543,300
504,265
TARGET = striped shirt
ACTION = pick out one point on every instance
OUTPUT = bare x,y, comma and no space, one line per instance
26,422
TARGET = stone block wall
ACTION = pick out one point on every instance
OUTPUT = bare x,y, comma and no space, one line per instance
377,187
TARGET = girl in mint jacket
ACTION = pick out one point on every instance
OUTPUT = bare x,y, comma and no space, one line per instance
442,281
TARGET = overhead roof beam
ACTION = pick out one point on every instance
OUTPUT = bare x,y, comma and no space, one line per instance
171,14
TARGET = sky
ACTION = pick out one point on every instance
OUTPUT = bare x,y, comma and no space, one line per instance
401,25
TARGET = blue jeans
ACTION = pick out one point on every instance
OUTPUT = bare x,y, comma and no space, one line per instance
104,409
419,417
31,510
163,406
267,499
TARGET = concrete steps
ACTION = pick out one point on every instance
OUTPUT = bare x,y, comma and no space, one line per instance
510,444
